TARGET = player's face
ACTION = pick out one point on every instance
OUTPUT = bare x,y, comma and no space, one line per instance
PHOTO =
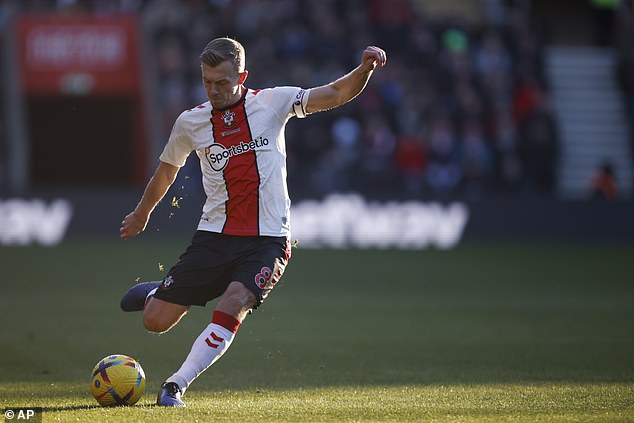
222,84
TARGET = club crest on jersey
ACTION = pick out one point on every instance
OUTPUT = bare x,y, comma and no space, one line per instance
227,118
167,282
218,155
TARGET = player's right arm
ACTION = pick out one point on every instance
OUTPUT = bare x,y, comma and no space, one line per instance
135,222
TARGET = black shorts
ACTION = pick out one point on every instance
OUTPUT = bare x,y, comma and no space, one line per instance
212,261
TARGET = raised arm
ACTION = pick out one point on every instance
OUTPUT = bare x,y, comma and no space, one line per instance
348,86
135,222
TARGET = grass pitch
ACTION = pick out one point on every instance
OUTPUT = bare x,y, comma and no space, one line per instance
479,333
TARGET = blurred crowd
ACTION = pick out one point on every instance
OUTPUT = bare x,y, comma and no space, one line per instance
461,109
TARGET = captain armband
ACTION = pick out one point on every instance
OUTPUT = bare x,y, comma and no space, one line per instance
300,102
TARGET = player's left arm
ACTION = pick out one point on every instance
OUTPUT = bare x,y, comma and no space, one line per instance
348,86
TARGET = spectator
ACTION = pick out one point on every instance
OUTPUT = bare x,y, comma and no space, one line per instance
603,185
539,145
476,158
377,163
444,173
411,161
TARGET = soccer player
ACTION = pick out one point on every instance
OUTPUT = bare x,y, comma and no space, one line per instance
242,244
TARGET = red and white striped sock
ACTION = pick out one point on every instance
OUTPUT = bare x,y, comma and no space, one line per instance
208,347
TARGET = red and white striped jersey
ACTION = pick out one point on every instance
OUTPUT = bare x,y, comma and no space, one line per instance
242,154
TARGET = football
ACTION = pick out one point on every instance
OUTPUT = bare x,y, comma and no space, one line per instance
117,380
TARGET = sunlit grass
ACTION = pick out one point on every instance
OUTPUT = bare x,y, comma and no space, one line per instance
507,402
480,333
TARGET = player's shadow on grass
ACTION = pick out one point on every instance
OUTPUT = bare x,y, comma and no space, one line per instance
90,407
71,408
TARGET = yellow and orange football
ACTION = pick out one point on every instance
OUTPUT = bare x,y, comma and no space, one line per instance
117,380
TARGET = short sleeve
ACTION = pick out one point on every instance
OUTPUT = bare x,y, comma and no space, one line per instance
178,146
286,101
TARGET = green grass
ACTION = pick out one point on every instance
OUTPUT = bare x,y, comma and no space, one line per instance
479,333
